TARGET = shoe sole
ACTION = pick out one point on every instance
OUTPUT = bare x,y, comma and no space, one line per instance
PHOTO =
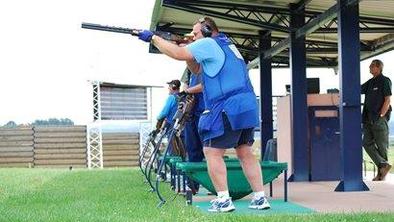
383,174
260,208
377,178
222,210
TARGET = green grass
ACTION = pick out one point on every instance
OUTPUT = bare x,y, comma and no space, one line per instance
112,195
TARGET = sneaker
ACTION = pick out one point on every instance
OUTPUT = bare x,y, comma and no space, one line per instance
219,205
384,170
377,177
259,204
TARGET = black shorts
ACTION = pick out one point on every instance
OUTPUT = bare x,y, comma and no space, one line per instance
231,138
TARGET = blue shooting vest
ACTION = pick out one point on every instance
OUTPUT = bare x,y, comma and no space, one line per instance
194,147
199,105
229,91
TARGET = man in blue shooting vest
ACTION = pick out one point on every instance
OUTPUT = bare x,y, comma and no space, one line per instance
230,107
193,143
170,107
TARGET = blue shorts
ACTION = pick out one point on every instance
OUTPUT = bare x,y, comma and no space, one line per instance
231,138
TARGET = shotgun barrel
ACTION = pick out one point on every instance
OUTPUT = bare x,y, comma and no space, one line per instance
165,35
110,28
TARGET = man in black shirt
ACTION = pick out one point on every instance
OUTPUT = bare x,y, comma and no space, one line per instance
376,114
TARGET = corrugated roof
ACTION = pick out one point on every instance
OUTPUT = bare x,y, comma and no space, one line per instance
242,20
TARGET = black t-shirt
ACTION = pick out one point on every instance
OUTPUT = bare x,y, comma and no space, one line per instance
375,90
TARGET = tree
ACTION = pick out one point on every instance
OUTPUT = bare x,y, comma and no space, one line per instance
53,122
10,124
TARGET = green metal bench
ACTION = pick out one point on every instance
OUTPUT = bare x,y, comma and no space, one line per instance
170,161
176,180
237,182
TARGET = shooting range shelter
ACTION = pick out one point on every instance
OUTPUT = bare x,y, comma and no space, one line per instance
121,102
299,34
113,101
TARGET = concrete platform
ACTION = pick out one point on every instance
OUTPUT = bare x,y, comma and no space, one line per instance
321,197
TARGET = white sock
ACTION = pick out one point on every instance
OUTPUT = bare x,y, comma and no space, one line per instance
259,194
223,194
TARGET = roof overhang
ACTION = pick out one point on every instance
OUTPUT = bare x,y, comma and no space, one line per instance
242,21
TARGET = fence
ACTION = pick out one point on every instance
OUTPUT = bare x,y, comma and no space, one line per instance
60,146
63,146
120,149
16,147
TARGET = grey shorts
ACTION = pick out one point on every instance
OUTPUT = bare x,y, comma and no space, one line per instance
231,138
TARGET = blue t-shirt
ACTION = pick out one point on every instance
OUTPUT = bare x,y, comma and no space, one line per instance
169,108
207,53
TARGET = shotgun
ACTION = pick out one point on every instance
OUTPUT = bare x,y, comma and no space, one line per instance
178,39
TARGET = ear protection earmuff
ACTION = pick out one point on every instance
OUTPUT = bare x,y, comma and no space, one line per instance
206,30
173,87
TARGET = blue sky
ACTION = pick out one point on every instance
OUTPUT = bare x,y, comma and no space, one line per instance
47,59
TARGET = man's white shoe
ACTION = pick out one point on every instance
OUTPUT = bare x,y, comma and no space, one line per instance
259,204
221,205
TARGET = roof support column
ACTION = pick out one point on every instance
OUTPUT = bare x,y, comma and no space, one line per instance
350,114
266,124
298,101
